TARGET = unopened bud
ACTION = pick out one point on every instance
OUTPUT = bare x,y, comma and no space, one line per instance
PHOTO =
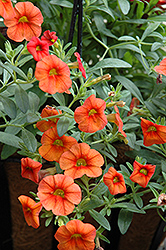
30,73
98,79
73,65
161,200
111,93
120,103
45,172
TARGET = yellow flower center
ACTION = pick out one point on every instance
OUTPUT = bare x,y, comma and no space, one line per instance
38,48
28,209
59,192
52,40
116,179
58,143
92,111
144,171
76,236
151,128
23,19
53,72
81,162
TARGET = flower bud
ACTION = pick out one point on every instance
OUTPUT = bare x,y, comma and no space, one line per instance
98,79
111,93
161,200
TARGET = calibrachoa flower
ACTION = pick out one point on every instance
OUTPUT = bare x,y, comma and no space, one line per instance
115,118
6,9
30,169
142,173
54,146
31,210
38,48
114,181
153,133
90,116
53,75
76,235
59,193
25,24
48,111
81,68
80,160
49,37
161,68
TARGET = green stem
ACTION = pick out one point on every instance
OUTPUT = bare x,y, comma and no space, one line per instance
161,215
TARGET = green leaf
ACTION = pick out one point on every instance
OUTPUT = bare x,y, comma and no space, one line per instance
101,189
130,47
59,97
102,8
10,139
22,99
128,84
102,237
100,219
29,140
158,18
138,200
151,27
140,9
126,38
9,106
131,207
63,125
92,203
7,151
48,221
62,3
34,101
152,108
110,63
18,71
66,109
24,60
124,220
108,155
124,6
156,46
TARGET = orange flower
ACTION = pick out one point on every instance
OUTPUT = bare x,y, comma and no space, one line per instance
81,67
53,75
59,193
54,146
142,173
31,210
38,48
114,181
117,120
46,112
161,68
90,116
153,133
49,37
30,169
76,235
25,24
80,160
6,9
